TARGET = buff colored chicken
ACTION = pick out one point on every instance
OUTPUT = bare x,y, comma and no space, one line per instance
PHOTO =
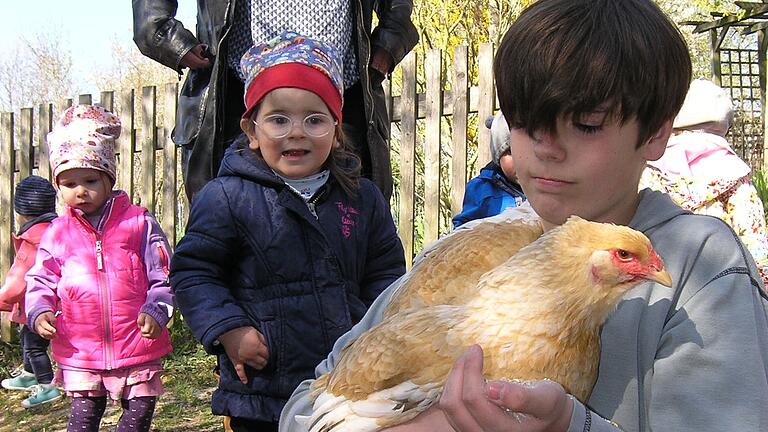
456,263
536,316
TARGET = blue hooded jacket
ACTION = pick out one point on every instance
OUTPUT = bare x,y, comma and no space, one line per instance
488,194
254,255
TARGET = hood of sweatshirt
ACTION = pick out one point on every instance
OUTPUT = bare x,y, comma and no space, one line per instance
655,209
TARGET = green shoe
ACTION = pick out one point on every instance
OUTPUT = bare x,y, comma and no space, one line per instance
41,394
20,380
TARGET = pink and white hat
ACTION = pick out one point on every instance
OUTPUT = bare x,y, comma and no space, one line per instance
84,137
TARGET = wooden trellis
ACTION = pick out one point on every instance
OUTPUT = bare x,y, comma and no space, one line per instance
739,45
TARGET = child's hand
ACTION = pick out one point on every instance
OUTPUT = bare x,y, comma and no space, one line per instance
150,329
45,325
245,346
471,404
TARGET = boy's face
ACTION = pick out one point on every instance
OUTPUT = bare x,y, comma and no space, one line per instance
297,154
589,167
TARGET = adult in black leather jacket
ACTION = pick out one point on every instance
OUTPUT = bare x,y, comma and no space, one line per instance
211,99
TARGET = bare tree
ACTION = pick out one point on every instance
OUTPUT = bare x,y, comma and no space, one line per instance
130,69
37,70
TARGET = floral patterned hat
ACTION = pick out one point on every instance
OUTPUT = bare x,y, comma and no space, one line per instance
84,137
293,60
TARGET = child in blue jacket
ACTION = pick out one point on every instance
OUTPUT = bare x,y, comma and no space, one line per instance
496,187
287,248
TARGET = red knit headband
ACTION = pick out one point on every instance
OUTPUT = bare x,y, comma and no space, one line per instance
293,75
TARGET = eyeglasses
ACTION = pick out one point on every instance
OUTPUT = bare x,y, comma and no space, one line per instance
279,126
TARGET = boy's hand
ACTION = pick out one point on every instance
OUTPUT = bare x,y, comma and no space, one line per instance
245,346
471,404
45,325
149,327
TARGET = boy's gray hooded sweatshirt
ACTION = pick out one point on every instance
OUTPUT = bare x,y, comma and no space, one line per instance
692,358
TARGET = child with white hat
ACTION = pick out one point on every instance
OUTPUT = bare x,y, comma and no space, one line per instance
701,172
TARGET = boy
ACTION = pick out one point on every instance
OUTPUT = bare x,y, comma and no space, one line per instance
496,187
590,89
34,201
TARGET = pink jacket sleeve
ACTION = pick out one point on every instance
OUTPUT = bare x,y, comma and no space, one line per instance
42,280
12,291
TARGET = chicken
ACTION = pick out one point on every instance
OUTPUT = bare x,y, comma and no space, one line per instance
536,316
457,262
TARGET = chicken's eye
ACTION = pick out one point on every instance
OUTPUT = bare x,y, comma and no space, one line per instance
623,255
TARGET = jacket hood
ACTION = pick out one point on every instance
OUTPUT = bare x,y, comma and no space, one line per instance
701,156
655,209
240,161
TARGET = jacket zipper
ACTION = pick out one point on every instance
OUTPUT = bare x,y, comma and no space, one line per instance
204,100
105,291
311,205
99,260
105,303
360,25
312,202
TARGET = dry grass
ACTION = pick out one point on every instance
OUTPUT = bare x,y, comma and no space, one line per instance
185,407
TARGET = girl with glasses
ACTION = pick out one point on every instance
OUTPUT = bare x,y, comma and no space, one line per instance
288,247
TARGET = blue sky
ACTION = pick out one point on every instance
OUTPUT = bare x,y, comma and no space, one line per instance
87,27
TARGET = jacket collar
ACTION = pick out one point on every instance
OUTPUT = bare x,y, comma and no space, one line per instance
46,217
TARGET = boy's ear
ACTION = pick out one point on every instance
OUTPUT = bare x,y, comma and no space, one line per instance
654,148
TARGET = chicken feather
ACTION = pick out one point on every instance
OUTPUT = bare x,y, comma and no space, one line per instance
537,316
457,262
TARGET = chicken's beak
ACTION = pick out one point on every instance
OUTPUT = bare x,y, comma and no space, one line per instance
661,276
657,272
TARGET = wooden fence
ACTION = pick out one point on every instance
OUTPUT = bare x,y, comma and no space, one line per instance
432,153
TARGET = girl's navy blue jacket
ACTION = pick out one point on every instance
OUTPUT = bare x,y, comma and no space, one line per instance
255,255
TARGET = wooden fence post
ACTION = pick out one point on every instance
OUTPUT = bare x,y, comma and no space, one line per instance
432,147
168,221
24,161
44,122
484,106
7,163
459,121
125,143
147,140
107,100
408,115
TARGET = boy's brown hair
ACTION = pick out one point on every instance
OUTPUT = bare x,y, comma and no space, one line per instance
569,57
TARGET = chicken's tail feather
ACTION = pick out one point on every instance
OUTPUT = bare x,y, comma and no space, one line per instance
384,408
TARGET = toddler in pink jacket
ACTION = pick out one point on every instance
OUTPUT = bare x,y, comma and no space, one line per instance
99,287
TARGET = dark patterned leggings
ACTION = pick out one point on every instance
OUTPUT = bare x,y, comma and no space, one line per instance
86,413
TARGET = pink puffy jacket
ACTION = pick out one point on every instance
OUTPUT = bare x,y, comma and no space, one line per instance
12,292
99,283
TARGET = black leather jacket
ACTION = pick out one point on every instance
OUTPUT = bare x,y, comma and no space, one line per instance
201,107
